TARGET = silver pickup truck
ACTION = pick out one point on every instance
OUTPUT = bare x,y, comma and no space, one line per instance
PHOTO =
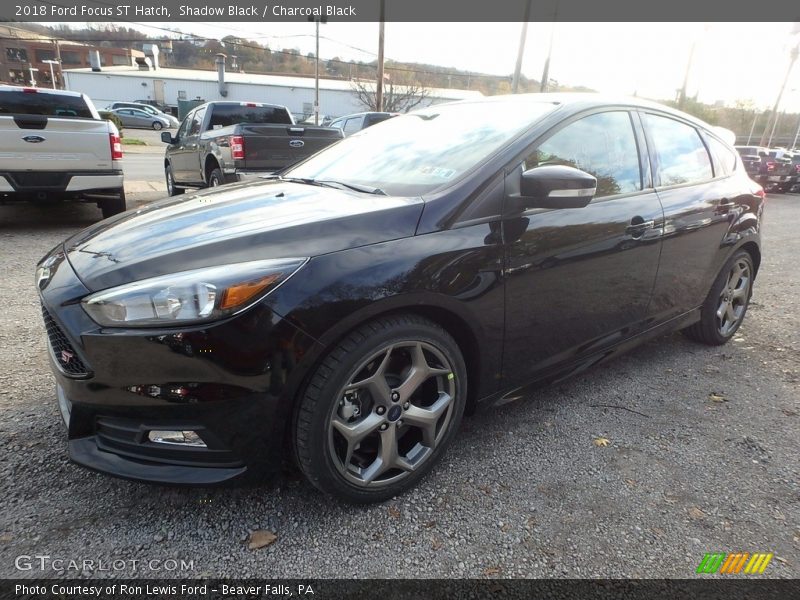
55,146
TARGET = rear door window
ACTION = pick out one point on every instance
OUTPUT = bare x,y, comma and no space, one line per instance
50,105
680,154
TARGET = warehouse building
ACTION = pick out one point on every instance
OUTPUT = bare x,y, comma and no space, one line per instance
169,86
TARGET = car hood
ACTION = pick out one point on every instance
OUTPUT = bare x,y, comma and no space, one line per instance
235,223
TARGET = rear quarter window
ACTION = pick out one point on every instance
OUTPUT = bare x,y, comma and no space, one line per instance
50,105
724,157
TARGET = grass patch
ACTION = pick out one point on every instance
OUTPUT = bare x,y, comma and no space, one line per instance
133,142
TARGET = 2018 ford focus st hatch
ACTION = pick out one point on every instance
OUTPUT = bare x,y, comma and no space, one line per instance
348,311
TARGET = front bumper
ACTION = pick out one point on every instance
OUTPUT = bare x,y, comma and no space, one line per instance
231,382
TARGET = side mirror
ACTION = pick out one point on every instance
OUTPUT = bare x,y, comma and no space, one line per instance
167,138
556,186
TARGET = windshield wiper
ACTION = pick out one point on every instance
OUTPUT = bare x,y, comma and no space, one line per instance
329,183
354,186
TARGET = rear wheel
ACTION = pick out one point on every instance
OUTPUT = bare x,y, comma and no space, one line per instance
113,206
172,189
216,178
726,305
381,409
157,125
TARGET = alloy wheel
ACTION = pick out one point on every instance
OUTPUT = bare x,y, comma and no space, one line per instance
733,298
392,414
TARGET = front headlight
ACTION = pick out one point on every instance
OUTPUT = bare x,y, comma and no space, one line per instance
196,296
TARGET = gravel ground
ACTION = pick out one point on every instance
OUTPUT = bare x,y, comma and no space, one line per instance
524,492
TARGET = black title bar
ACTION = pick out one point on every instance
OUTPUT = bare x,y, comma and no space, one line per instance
396,10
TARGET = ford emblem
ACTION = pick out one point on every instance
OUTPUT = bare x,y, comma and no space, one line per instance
297,143
33,139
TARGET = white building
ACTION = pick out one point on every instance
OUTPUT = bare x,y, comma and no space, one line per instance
336,96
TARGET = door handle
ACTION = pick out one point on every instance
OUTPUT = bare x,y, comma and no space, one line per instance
638,226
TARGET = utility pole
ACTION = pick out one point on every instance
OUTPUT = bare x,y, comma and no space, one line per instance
682,96
774,127
774,115
546,71
379,83
752,127
316,68
796,135
522,37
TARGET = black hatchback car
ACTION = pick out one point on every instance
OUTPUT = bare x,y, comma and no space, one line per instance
348,311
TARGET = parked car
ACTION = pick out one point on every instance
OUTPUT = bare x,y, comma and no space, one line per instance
220,142
133,117
767,167
173,122
55,146
160,106
352,123
350,310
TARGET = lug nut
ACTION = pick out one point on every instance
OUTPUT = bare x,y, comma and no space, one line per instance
406,405
380,410
399,422
383,427
395,396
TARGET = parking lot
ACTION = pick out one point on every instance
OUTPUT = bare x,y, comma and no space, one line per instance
702,457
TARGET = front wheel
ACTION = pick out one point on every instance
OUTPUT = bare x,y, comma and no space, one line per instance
172,189
726,305
157,125
380,409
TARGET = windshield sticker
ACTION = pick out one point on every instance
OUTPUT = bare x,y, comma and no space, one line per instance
439,172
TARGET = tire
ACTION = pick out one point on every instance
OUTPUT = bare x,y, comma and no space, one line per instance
730,295
113,206
157,126
216,178
396,387
784,188
172,189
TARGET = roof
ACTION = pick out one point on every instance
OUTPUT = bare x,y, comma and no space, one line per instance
259,79
586,100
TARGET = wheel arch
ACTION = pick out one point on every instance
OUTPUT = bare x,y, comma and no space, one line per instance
209,164
755,253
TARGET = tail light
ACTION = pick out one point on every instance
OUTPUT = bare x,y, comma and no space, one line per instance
237,147
116,147
30,90
770,166
761,193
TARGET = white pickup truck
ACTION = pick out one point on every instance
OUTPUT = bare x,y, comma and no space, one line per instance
55,146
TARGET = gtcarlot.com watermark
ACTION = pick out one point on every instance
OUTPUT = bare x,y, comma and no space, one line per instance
45,562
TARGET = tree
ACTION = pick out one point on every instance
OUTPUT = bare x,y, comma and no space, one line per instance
396,97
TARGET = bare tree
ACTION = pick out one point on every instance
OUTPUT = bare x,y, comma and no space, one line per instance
396,97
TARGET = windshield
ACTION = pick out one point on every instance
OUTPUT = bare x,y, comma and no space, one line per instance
420,152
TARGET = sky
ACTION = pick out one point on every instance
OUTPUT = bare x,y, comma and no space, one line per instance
732,61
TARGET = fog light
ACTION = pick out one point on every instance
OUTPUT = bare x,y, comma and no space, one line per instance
182,438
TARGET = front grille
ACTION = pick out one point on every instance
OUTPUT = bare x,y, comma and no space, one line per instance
65,355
